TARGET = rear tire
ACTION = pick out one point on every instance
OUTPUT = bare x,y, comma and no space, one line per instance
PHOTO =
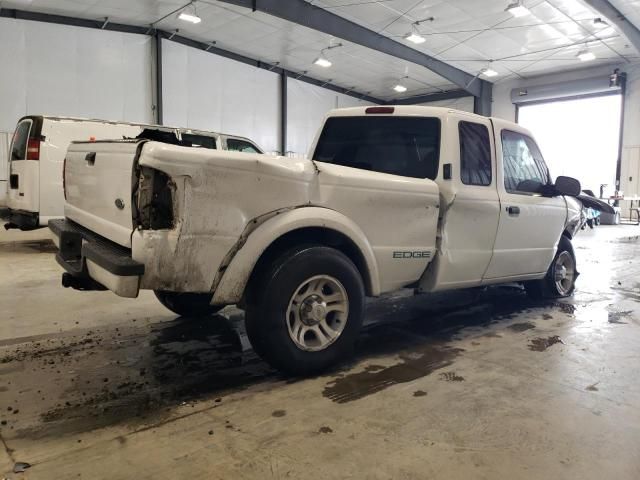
306,309
187,304
560,280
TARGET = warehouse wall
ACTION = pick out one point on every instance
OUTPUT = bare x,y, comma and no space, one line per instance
71,71
209,92
306,108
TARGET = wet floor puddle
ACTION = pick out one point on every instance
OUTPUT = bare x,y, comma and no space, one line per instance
86,379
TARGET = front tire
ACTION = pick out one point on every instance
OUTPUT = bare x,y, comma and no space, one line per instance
560,280
187,304
305,309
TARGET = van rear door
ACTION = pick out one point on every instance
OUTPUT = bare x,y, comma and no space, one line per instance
24,174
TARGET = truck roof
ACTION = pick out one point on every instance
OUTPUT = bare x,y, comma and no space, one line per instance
400,110
57,118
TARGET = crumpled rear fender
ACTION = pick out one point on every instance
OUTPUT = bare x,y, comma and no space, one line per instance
230,287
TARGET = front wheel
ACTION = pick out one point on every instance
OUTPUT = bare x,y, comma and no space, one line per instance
306,309
560,280
187,304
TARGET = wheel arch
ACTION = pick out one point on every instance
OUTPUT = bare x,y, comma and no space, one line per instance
317,225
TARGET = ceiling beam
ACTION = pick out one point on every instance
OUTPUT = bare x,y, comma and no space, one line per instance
606,9
316,18
146,30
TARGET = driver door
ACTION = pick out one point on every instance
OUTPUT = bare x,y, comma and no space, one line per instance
530,225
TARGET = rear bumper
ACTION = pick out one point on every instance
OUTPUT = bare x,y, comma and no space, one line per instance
91,259
20,219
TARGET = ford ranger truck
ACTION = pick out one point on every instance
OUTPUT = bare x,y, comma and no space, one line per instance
390,197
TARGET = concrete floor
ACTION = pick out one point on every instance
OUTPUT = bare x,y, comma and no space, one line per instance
464,385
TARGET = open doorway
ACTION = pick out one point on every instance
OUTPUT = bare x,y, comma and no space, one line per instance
578,138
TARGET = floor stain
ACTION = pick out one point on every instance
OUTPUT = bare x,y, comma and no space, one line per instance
451,377
521,327
593,387
414,364
26,246
419,393
567,308
540,344
615,317
278,413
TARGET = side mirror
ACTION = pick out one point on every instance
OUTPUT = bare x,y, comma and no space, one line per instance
567,186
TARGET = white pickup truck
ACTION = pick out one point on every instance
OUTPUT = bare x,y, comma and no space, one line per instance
391,197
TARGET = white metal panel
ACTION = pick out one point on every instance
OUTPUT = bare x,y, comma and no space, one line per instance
209,92
61,70
306,107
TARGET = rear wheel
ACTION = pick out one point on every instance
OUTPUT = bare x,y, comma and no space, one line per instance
187,304
306,309
561,277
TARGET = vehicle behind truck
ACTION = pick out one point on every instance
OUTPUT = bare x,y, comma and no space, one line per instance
390,197
39,145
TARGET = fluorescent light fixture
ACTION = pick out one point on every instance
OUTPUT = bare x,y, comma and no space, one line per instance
187,17
322,62
415,38
400,88
517,9
586,55
488,72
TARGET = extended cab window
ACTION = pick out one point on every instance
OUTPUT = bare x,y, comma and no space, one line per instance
407,146
524,167
475,154
237,145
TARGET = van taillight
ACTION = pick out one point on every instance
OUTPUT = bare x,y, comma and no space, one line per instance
64,180
33,149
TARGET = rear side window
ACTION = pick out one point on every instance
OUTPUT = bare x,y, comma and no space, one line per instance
475,154
201,141
20,140
237,145
524,167
407,146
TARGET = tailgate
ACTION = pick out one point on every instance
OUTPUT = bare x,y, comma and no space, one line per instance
99,180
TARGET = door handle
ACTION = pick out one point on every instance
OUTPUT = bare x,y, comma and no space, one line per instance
514,211
90,158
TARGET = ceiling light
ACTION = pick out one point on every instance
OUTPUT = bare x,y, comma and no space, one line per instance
322,62
586,55
414,38
488,72
187,17
517,9
400,88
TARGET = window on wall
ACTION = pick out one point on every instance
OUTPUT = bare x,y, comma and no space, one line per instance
475,154
406,146
524,167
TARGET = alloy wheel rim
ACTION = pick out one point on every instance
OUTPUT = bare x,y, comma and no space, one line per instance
564,273
317,313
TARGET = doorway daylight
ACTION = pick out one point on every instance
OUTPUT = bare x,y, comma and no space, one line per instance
578,138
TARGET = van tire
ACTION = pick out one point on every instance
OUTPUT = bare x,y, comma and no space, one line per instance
188,304
305,309
560,280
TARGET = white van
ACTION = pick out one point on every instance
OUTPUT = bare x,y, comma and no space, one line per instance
36,157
